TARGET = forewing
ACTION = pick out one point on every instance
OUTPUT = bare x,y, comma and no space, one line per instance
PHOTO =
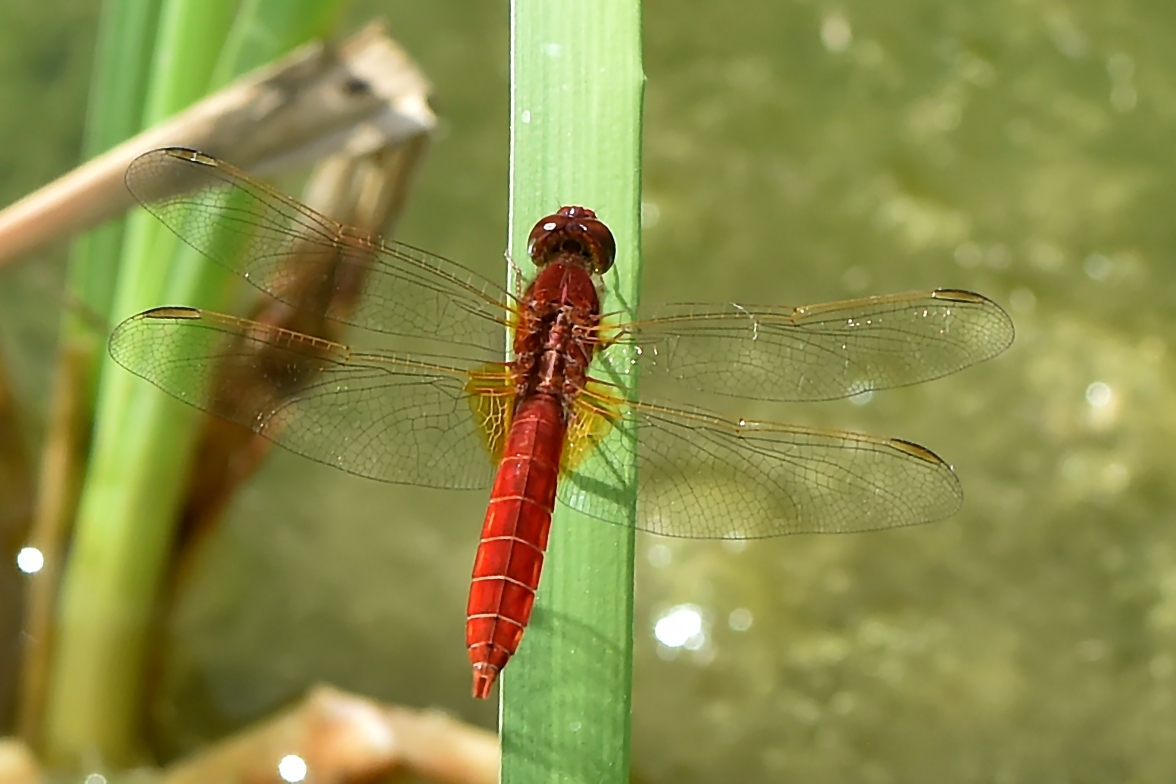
373,414
284,248
819,352
700,476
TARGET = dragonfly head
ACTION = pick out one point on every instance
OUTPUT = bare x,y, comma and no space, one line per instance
574,231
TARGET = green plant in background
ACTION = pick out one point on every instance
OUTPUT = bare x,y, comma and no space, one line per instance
576,90
117,94
140,448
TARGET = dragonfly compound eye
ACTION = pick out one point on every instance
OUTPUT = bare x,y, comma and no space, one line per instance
576,231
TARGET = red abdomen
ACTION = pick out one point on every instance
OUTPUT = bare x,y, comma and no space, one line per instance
514,536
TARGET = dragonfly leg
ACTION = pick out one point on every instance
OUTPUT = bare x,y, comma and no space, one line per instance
517,274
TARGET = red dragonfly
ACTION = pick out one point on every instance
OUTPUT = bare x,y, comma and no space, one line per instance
541,426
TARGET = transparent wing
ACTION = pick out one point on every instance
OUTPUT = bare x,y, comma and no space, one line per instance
280,246
819,352
373,414
700,476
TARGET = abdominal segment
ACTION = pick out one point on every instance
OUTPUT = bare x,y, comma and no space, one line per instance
514,537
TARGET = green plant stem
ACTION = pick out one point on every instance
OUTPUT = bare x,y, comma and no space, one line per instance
122,530
117,92
142,439
576,89
117,95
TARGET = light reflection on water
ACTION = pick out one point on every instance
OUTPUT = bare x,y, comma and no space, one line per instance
1098,394
292,768
659,556
740,619
30,560
681,627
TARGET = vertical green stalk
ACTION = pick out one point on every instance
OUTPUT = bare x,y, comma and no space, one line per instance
117,95
142,438
576,89
122,529
117,92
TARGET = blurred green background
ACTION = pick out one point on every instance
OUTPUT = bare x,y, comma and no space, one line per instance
795,152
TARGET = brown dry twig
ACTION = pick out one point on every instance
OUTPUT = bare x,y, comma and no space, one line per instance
319,100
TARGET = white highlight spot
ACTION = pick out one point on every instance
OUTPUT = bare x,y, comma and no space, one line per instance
1098,394
861,398
95,778
681,627
659,556
1097,266
292,768
30,561
526,115
650,214
1022,300
836,34
740,620
552,50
